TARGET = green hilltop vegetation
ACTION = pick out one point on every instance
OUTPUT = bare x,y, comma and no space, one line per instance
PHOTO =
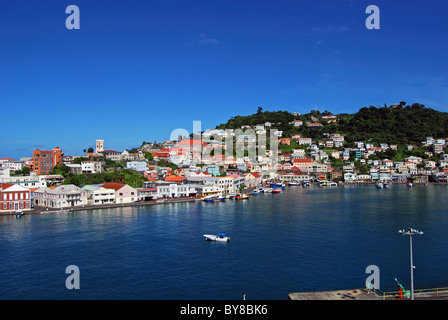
398,124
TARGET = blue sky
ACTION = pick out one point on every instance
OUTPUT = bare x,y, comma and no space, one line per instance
136,70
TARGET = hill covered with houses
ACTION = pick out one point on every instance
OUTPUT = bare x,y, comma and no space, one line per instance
396,124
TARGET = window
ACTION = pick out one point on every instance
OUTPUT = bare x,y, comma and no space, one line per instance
21,196
5,197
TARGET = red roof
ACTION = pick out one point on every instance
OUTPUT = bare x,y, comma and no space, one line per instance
174,178
306,160
256,175
115,186
5,186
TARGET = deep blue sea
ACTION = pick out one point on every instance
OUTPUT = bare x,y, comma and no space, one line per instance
305,239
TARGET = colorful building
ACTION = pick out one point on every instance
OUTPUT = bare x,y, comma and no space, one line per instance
14,198
45,161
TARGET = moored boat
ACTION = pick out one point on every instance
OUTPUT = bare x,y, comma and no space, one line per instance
277,190
241,196
294,183
220,237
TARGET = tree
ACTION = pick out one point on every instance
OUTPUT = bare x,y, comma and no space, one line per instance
259,110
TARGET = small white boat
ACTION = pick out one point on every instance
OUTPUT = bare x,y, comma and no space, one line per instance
294,183
379,185
306,183
242,196
267,190
410,184
332,184
220,237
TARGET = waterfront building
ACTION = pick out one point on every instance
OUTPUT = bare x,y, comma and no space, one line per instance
14,197
225,183
60,197
439,177
45,161
96,195
123,192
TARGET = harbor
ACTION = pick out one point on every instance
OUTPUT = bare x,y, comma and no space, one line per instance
310,239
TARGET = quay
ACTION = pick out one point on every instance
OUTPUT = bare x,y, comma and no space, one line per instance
41,210
366,294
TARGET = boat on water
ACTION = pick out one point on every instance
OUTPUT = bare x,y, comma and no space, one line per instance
231,196
214,198
278,185
410,184
294,183
242,196
379,186
257,191
306,183
277,190
220,237
19,214
267,190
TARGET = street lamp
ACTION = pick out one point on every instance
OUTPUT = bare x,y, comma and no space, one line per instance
411,232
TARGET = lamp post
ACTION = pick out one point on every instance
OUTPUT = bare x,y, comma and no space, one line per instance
411,232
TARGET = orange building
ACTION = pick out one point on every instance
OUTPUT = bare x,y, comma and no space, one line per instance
45,161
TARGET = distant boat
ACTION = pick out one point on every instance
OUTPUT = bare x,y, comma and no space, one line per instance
294,183
379,185
277,190
242,196
19,214
256,191
332,184
306,183
410,184
214,198
220,237
278,185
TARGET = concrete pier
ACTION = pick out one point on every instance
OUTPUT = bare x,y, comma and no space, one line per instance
353,294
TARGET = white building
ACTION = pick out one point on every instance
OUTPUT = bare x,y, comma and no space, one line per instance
98,195
90,166
60,197
139,166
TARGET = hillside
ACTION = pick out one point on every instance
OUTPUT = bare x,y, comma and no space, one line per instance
399,124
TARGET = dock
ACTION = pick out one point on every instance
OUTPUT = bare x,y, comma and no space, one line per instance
351,294
366,294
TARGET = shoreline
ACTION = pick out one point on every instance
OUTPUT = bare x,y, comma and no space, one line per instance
42,210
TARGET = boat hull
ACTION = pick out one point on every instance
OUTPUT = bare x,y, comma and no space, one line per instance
213,237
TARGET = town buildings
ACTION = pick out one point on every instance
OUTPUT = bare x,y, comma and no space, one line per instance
45,161
14,197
